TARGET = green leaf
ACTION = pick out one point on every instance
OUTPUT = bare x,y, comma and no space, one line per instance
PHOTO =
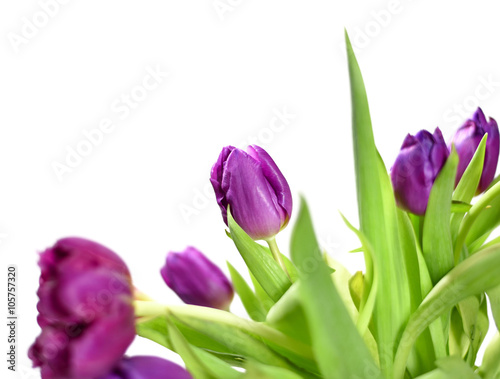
267,272
494,297
287,316
357,250
482,218
467,186
424,355
257,370
356,284
264,298
338,347
436,328
470,325
459,342
437,245
451,368
366,307
157,331
252,304
476,274
460,207
479,331
235,339
342,280
378,222
494,241
469,309
410,254
216,365
246,338
490,368
199,362
290,267
194,365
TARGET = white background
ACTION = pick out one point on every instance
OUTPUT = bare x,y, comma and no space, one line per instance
425,64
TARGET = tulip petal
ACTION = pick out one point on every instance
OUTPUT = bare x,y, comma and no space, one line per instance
49,352
147,367
91,293
85,294
216,179
251,197
479,118
278,182
419,162
95,352
491,157
466,141
439,153
197,280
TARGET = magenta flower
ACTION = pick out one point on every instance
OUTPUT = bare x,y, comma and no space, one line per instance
466,141
419,162
85,297
144,367
196,280
254,188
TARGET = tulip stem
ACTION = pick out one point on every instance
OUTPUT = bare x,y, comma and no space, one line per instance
277,255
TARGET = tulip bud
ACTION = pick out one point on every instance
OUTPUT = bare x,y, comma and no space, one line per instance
196,280
145,367
85,296
466,141
255,189
417,166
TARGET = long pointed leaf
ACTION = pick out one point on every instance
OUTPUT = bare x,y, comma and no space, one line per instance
250,301
338,347
192,361
437,245
466,188
378,222
267,272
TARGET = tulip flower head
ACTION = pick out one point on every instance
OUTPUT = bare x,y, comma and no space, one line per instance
146,367
417,166
196,280
85,296
466,141
251,184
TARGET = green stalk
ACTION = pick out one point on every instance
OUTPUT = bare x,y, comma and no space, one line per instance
277,254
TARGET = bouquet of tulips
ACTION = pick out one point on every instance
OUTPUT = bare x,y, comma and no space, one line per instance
420,309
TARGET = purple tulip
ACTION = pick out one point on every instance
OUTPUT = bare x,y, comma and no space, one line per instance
85,297
144,367
419,162
466,141
255,189
196,280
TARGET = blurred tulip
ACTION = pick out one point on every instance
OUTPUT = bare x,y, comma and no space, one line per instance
254,188
85,310
145,367
466,141
419,162
196,280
